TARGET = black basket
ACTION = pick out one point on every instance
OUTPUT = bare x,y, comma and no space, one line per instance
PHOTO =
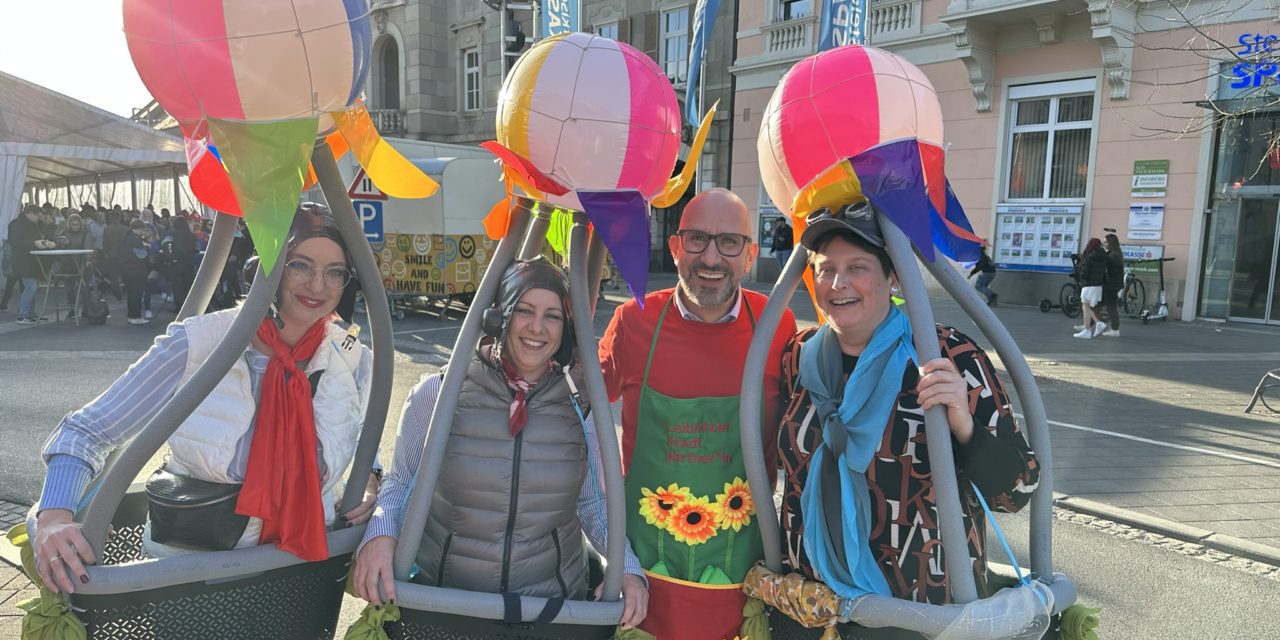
301,601
426,625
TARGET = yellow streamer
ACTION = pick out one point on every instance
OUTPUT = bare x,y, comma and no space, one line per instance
390,171
678,185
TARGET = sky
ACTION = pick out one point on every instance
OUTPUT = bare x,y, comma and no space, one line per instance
74,47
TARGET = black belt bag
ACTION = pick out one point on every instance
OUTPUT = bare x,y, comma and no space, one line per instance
193,513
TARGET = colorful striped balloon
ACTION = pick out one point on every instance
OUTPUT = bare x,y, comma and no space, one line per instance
250,60
590,113
839,103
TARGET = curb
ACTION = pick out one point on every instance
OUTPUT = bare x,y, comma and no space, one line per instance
1170,529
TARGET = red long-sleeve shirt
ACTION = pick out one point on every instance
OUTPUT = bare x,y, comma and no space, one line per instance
693,359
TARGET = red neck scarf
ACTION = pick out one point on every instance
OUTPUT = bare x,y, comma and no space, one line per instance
282,480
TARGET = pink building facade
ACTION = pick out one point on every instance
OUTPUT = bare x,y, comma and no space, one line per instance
1067,118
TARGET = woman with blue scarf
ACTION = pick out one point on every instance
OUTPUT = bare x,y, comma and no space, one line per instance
858,507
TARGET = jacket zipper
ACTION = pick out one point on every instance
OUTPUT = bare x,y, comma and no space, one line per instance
564,588
444,557
511,513
514,501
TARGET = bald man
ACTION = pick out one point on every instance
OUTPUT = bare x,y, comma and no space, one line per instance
677,364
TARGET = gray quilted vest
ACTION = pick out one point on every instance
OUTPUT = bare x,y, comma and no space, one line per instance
504,517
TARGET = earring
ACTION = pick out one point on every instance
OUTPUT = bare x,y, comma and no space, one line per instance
895,290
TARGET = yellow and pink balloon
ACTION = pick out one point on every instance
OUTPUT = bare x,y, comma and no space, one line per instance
590,124
253,84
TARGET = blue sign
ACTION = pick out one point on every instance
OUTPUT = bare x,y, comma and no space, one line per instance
1261,69
704,19
370,214
559,16
843,22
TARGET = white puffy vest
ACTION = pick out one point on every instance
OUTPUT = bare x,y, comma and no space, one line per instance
205,445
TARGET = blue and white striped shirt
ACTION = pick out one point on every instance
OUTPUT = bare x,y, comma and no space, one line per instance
78,448
393,497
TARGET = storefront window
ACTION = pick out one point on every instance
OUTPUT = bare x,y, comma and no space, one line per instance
1050,140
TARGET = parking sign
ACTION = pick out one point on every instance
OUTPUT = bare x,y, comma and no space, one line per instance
370,214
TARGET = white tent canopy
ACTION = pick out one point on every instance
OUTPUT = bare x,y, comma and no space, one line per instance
57,149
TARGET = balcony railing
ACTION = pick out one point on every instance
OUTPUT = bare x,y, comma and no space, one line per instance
388,121
894,19
791,36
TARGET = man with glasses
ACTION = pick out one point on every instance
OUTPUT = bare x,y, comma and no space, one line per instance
677,361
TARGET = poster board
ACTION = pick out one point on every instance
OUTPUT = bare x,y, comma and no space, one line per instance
1037,238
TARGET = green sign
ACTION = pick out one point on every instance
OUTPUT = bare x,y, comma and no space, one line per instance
1150,178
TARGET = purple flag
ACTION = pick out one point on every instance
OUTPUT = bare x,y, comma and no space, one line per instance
893,180
951,245
622,220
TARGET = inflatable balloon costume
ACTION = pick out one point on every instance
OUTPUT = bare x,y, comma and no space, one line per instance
258,89
857,124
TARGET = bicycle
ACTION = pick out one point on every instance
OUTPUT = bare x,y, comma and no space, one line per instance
1134,294
1068,295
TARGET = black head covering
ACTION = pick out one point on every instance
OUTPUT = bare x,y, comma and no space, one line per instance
520,277
315,220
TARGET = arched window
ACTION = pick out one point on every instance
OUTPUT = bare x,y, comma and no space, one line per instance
386,88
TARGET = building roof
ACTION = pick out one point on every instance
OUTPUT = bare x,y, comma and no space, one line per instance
64,138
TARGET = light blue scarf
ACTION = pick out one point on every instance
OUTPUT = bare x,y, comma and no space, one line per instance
853,426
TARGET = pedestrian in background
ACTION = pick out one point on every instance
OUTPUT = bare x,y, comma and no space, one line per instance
783,241
1093,275
135,264
986,272
1114,287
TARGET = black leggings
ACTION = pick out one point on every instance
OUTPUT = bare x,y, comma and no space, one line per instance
1112,299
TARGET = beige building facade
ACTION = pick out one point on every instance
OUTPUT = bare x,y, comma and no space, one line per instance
1065,118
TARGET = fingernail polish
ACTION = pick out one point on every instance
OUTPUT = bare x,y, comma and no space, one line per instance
84,579
393,602
377,607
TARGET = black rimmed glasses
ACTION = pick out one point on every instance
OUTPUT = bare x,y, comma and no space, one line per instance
301,272
729,245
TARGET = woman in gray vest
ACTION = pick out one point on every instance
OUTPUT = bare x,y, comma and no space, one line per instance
521,480
249,466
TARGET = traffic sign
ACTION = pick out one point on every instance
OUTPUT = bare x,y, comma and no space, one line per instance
362,188
370,214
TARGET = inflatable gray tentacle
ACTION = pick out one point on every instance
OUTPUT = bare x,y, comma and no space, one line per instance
211,265
375,298
536,238
937,429
441,424
596,254
602,414
1024,383
753,446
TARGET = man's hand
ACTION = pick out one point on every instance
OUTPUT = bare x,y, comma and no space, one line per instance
373,567
941,385
635,600
61,551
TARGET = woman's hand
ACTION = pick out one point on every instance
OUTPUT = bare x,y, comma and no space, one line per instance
364,510
635,600
61,551
373,567
941,385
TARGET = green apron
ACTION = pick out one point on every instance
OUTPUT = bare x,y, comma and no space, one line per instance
690,518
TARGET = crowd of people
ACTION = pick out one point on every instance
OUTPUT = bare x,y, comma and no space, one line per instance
147,258
520,498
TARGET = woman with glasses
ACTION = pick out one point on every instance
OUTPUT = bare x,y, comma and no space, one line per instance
260,459
858,510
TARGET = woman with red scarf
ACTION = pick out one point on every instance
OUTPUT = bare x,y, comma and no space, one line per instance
521,481
273,439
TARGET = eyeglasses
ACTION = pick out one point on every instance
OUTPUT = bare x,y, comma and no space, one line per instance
301,272
729,245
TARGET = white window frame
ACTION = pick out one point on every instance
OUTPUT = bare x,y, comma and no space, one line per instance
780,5
679,79
472,99
1055,91
608,30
